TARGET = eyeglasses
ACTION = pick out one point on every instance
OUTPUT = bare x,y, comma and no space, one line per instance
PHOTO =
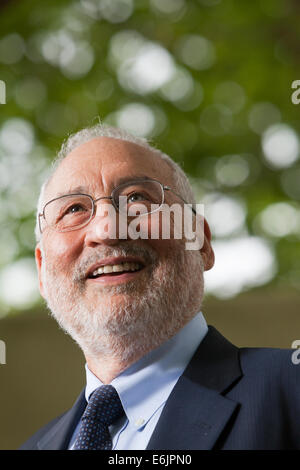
74,211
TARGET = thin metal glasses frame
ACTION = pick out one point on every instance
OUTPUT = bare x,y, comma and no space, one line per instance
111,197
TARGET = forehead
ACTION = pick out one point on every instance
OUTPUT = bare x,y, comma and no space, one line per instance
101,163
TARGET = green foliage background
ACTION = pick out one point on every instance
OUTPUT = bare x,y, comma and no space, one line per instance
256,46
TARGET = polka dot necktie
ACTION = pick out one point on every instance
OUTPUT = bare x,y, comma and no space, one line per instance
103,409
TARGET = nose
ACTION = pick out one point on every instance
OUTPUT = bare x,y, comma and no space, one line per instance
107,226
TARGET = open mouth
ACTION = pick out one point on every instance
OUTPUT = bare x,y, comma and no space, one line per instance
115,270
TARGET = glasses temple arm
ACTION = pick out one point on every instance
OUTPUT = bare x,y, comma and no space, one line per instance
167,188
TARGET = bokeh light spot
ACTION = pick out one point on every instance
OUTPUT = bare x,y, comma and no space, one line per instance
196,51
290,181
135,118
117,11
168,7
18,284
142,66
280,145
179,87
105,89
232,170
12,49
280,219
74,57
17,136
226,215
241,263
209,3
263,115
8,244
230,94
80,63
30,93
90,8
152,67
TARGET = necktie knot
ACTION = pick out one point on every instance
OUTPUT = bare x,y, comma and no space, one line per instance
104,405
103,409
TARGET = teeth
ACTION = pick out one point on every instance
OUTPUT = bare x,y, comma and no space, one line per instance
116,268
108,269
98,271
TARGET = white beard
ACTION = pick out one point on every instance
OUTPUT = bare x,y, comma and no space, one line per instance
168,299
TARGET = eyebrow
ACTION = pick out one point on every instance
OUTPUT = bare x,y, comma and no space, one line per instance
78,189
85,190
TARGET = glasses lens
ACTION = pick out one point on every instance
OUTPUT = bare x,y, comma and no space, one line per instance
138,197
68,212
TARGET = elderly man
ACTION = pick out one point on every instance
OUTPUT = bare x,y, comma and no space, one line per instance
157,376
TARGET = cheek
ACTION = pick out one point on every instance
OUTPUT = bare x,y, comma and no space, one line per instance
160,225
62,249
160,235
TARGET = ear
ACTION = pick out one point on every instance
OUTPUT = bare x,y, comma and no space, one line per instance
39,260
206,251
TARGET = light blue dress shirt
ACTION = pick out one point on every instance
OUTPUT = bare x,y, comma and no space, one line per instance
145,386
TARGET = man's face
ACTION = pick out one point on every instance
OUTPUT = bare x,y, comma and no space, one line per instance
117,313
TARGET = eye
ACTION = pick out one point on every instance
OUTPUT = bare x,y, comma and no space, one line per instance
74,209
135,197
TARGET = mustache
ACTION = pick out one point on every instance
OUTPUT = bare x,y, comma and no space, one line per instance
147,254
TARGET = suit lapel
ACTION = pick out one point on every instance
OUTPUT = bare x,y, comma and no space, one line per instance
58,437
196,412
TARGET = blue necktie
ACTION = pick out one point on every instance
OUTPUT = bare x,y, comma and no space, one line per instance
103,409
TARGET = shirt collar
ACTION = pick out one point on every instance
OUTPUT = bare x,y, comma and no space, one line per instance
146,385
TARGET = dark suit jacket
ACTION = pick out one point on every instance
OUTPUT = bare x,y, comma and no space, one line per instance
227,398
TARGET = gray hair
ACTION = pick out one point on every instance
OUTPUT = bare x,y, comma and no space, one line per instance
101,130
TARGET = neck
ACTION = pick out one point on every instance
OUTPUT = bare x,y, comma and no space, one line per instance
117,353
107,368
